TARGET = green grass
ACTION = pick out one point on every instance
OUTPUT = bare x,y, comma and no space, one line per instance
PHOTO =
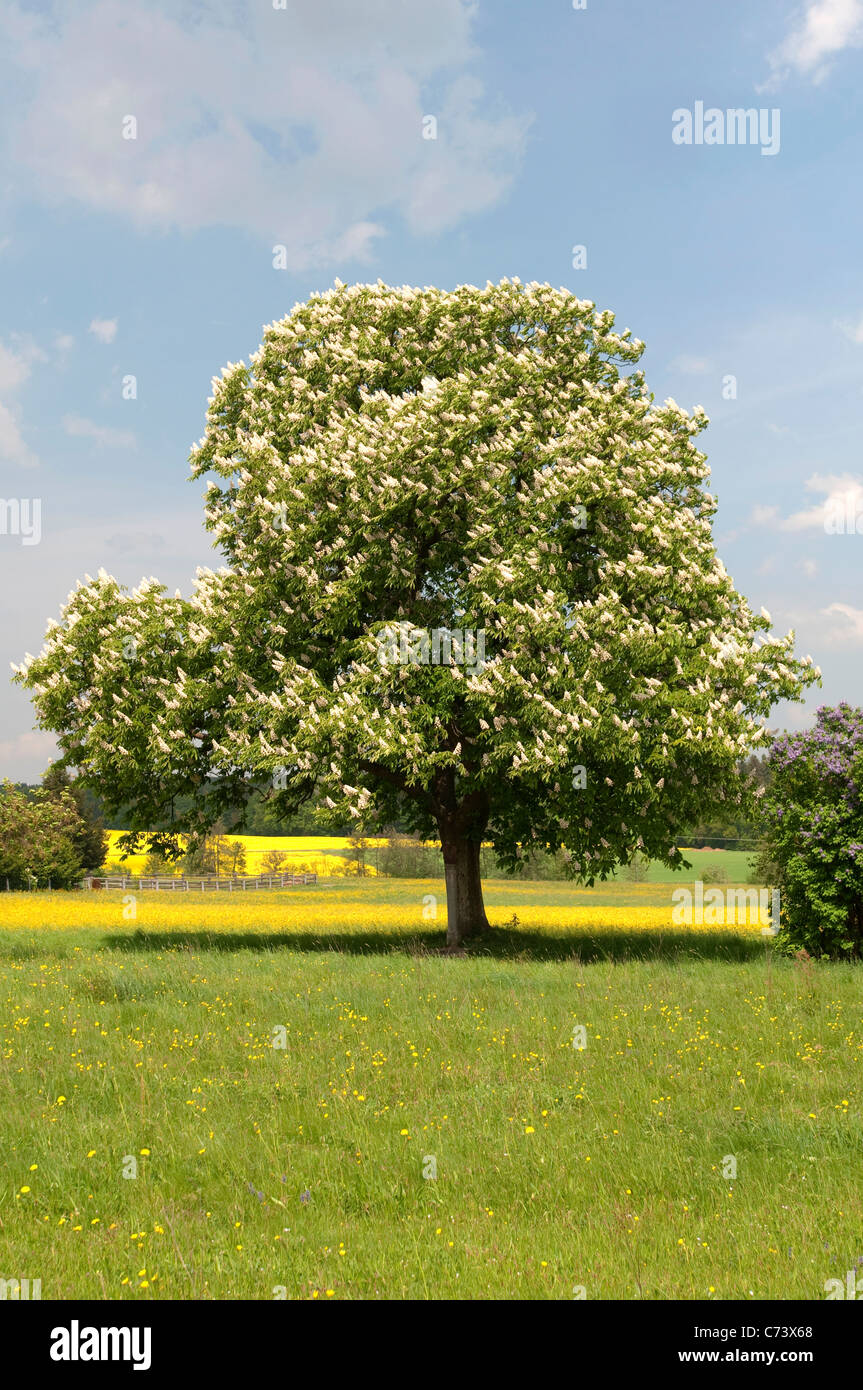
735,863
302,1169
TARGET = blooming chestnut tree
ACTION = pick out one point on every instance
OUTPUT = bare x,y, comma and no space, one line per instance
469,584
813,817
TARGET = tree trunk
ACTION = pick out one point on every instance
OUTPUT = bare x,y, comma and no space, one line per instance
465,911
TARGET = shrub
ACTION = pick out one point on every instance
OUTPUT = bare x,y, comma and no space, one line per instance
714,873
157,866
40,835
636,870
404,856
814,833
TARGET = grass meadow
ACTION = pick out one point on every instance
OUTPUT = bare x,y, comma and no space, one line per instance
317,1104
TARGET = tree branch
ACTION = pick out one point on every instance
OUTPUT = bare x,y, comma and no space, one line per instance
396,780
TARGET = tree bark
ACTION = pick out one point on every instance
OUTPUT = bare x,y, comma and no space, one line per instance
465,910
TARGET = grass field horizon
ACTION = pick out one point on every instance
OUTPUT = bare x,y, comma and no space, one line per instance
432,1127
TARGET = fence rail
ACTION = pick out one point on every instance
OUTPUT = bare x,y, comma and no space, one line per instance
200,885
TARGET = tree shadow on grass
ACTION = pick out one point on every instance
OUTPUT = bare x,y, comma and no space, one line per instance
500,944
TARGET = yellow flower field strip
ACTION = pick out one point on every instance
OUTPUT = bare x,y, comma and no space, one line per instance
314,851
305,913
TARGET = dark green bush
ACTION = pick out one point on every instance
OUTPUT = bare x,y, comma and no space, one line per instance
813,820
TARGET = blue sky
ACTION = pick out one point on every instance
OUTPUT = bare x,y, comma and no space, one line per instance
302,126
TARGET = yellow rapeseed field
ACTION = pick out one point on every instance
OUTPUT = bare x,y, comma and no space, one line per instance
402,906
320,854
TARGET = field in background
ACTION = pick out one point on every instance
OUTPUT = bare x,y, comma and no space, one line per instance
428,1129
396,912
320,854
326,856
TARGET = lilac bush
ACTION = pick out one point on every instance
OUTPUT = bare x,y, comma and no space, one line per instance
814,832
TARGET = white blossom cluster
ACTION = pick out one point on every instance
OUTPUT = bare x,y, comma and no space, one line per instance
416,456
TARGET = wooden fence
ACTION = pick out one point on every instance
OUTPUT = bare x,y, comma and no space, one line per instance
200,885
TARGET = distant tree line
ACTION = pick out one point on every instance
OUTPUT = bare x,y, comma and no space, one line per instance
261,818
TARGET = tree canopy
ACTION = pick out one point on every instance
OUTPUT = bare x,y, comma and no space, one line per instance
91,840
399,474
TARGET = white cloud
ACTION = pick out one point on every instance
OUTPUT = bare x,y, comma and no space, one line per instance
14,369
15,366
301,126
821,31
854,331
13,448
842,497
809,568
104,329
20,756
689,365
103,435
839,492
848,628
